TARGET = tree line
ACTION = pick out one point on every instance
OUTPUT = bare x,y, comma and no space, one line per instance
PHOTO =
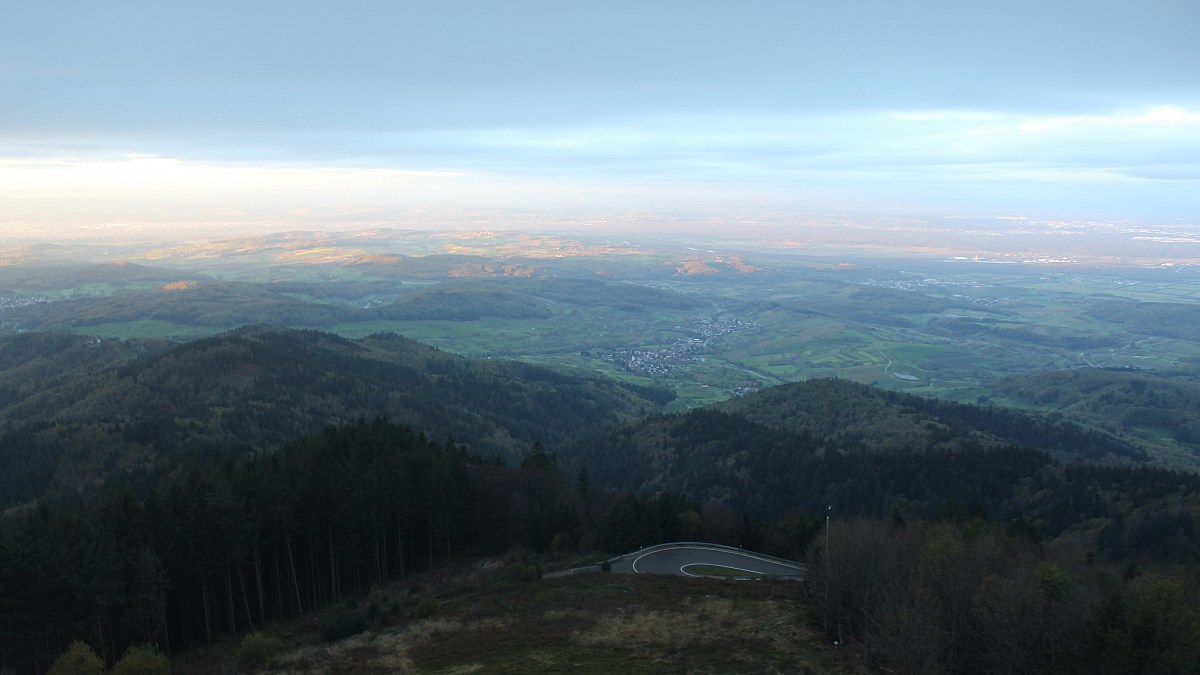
974,597
227,545
1121,513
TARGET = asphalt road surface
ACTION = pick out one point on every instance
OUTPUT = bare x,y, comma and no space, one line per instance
677,558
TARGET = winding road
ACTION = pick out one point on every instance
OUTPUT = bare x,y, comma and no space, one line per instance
677,558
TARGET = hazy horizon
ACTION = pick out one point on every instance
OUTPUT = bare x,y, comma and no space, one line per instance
259,117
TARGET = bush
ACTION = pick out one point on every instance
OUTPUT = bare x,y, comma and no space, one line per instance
378,607
342,625
523,571
142,660
79,659
427,607
258,648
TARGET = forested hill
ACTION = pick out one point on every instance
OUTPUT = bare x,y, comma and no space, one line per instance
1160,408
256,387
800,446
855,416
33,362
784,452
756,452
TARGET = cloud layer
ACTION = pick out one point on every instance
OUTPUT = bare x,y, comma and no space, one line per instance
1065,106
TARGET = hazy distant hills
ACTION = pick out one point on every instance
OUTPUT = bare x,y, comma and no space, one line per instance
448,265
226,305
257,387
608,293
866,304
52,276
463,303
524,299
212,305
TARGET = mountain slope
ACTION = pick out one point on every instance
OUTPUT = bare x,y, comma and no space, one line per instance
786,451
256,387
793,446
859,417
32,362
1160,408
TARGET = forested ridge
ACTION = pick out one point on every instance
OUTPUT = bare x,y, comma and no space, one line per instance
178,494
1118,513
256,387
33,362
860,417
1146,402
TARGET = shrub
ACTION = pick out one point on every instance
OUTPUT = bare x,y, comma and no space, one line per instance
561,544
523,571
142,660
342,625
258,648
378,607
427,607
79,659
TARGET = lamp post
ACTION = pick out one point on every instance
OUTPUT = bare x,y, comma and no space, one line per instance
828,513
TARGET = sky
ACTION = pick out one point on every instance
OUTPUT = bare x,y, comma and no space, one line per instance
262,113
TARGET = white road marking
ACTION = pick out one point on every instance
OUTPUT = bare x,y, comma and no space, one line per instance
729,551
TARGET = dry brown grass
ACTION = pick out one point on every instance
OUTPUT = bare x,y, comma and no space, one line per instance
596,624
743,633
695,623
622,624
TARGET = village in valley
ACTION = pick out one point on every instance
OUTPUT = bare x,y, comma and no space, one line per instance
657,362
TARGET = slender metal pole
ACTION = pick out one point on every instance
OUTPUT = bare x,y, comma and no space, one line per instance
828,512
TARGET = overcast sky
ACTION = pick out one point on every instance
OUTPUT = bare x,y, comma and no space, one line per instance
264,111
